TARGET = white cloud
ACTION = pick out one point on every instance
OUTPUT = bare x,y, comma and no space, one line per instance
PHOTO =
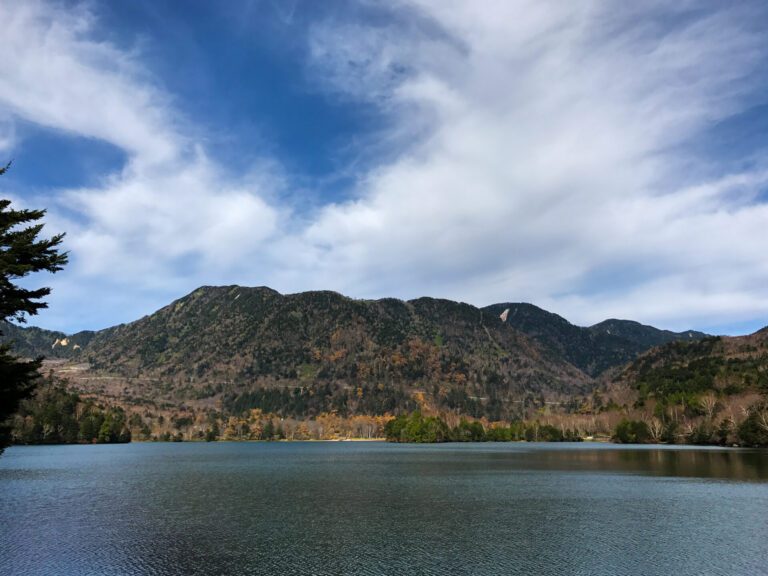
58,77
542,153
171,218
7,134
556,149
147,222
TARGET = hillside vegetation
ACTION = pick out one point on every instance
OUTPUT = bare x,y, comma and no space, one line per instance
306,353
707,392
231,360
594,349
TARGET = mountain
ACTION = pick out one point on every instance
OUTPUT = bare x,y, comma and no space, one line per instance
302,354
595,349
680,371
31,341
233,341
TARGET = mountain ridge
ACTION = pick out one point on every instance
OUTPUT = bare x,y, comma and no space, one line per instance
228,357
594,349
35,339
230,343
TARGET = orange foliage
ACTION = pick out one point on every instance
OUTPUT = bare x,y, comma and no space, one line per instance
337,355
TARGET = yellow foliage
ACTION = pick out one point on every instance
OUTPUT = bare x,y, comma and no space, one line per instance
398,359
330,424
302,431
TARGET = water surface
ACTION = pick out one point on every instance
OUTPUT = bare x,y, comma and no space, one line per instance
374,508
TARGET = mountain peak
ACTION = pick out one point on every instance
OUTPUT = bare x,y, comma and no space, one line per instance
241,333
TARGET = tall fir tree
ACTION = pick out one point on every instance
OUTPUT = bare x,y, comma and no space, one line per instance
22,252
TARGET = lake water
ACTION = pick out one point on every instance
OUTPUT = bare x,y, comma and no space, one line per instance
375,508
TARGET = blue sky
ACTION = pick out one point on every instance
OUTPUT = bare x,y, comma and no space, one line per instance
595,158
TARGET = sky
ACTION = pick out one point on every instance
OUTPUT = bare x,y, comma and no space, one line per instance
600,159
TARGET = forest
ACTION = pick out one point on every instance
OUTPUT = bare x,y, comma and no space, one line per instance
417,428
55,416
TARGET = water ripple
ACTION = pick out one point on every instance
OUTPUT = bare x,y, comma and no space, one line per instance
373,510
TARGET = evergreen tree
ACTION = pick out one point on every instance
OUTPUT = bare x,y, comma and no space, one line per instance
269,430
21,253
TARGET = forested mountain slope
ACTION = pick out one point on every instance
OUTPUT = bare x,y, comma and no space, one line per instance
594,349
720,364
306,353
31,341
233,340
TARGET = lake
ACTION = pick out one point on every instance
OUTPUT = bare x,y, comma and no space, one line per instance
376,508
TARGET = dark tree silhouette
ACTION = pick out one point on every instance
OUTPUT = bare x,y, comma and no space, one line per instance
21,253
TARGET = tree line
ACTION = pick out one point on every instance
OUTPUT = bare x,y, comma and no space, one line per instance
418,428
55,416
752,430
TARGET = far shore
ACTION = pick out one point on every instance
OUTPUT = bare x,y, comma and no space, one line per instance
264,441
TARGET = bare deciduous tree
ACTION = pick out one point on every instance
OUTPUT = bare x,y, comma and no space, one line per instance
709,405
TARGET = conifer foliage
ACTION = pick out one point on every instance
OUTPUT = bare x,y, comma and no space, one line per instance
22,252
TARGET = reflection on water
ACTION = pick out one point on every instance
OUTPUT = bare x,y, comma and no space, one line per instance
692,462
347,508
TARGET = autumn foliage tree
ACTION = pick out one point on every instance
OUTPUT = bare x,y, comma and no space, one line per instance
22,252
